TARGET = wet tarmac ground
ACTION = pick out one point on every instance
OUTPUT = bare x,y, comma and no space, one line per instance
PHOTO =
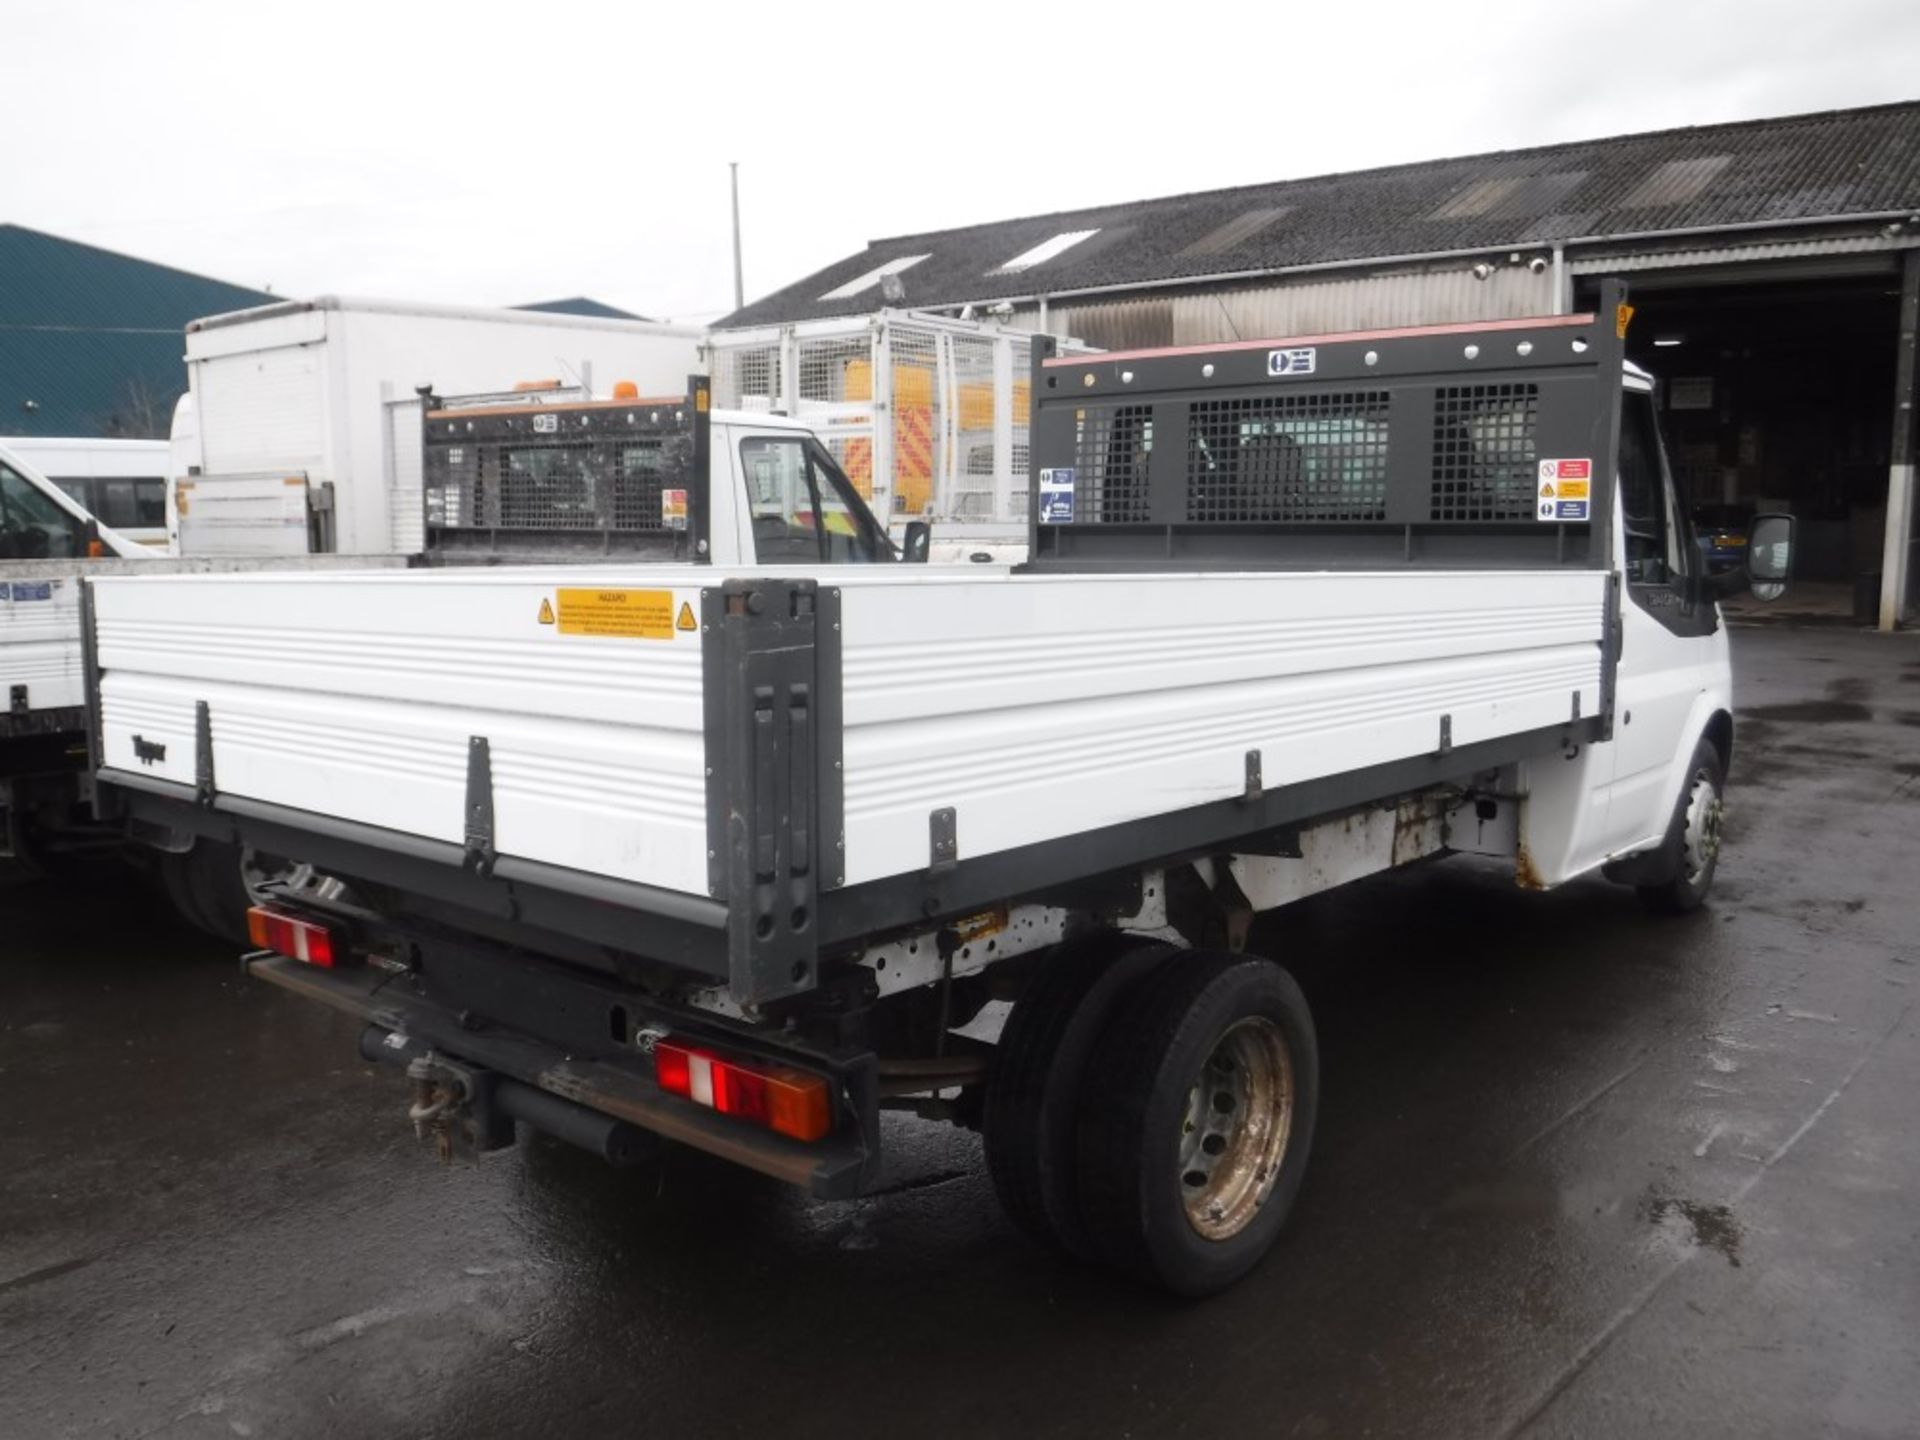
1579,1172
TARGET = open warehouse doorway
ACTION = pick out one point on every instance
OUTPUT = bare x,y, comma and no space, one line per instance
1778,390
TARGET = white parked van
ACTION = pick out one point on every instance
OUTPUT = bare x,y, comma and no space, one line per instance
122,483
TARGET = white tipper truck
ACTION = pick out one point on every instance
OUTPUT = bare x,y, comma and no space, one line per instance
732,851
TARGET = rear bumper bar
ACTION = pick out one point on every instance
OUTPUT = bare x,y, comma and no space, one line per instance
833,1168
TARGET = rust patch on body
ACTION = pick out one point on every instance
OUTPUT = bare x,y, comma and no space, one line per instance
1525,875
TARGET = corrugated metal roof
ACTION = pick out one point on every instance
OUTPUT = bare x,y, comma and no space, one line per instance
1225,239
1835,164
91,341
1676,182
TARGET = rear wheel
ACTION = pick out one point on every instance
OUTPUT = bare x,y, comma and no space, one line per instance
1693,837
206,885
175,873
1196,1119
1033,1090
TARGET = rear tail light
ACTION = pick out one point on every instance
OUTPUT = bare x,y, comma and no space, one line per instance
775,1097
287,935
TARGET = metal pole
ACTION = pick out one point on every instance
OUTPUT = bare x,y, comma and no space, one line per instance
1893,563
739,284
1003,428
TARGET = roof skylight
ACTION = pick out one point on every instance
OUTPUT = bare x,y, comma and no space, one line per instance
1048,249
1676,182
873,277
1236,232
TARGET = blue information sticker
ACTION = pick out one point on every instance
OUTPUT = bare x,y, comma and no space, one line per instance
1056,496
31,590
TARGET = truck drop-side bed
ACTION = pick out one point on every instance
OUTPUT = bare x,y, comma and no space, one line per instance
1248,604
950,738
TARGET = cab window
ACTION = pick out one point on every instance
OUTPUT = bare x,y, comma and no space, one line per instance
802,507
1655,554
32,526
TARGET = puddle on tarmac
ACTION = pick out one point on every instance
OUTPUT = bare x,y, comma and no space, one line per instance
1690,1222
1835,712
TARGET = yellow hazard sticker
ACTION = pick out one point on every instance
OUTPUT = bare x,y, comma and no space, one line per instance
685,620
546,611
626,614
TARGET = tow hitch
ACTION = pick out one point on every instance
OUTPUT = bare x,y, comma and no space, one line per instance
467,1110
439,1103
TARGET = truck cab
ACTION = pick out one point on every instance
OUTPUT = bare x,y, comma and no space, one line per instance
544,477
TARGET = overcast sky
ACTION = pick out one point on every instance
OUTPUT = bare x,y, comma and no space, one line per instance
500,153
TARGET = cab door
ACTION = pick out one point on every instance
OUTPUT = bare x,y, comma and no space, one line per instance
801,509
1668,631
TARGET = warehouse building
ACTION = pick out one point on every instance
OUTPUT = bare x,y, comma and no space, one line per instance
1774,264
91,341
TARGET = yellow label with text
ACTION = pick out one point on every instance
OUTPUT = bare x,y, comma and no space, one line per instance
626,614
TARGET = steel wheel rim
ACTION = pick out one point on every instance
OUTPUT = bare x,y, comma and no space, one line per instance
1706,815
1234,1132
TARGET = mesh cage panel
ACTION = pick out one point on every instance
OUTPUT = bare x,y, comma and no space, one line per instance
1485,452
746,377
526,481
835,396
969,493
835,370
547,487
919,417
953,395
1111,451
1296,458
637,473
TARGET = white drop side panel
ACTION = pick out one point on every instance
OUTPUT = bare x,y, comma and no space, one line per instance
1039,707
358,696
1043,707
40,641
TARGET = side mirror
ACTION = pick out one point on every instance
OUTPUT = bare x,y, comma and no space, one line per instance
917,543
1769,555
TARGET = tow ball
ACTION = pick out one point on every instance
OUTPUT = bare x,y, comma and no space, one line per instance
437,1096
450,1107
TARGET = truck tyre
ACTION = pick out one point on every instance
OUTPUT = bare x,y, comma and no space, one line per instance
1196,1119
175,873
1033,1088
1693,837
206,887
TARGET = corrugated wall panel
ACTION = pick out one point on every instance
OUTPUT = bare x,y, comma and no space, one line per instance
1117,324
1319,307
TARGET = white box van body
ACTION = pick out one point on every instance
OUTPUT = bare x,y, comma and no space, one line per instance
299,433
